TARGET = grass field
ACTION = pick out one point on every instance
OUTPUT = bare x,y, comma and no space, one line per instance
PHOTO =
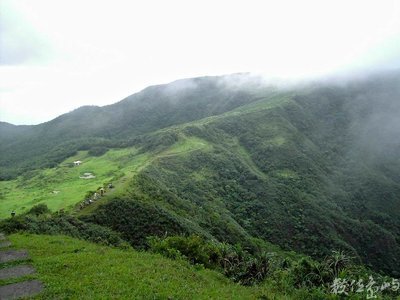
62,187
75,269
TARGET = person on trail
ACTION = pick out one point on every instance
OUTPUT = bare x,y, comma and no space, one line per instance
102,191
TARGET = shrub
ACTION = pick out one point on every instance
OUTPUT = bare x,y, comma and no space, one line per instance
39,209
134,220
308,273
36,221
194,248
233,261
243,267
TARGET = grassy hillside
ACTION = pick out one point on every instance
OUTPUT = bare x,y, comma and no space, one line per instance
62,187
277,173
30,147
311,169
75,269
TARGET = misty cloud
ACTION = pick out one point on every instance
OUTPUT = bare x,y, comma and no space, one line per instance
377,129
180,86
100,52
19,43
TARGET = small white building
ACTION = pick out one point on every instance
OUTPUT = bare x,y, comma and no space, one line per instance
77,163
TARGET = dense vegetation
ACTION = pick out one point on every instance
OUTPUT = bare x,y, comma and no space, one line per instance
232,161
39,220
90,128
74,268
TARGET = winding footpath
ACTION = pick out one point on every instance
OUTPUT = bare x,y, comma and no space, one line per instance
12,268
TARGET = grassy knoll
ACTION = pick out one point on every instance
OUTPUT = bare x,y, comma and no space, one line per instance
62,187
75,269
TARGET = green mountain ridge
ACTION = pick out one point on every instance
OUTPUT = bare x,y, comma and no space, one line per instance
310,168
151,109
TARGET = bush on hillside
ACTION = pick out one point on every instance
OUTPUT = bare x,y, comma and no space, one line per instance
39,221
134,220
194,248
39,209
234,262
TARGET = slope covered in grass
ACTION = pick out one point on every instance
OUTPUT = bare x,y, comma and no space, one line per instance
297,171
310,168
63,187
45,145
75,269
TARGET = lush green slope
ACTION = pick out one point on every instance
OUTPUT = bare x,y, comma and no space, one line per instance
312,168
62,187
75,269
291,172
45,145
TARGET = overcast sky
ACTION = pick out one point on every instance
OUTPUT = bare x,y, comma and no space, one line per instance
58,55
